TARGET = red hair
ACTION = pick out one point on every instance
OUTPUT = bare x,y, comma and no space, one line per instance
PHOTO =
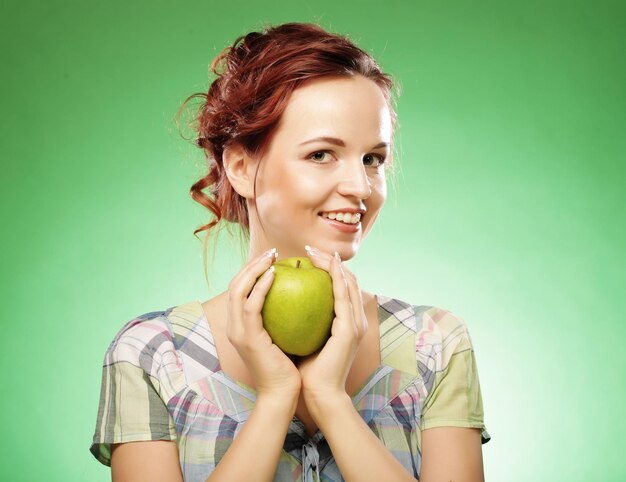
255,78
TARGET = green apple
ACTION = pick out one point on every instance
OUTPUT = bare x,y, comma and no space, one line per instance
299,307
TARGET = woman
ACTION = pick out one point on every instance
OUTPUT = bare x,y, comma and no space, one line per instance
297,128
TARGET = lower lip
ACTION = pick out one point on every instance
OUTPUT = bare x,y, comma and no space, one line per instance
343,227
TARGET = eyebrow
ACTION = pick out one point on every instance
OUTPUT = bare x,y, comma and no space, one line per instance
338,142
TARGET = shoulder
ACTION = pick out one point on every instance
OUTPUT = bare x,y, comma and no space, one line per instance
433,324
442,341
141,337
439,332
162,343
148,336
440,326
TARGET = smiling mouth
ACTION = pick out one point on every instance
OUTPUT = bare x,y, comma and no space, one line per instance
340,226
348,219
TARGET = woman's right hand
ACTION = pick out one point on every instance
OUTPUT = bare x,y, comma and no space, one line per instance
273,372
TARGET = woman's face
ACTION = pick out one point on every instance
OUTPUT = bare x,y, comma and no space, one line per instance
299,178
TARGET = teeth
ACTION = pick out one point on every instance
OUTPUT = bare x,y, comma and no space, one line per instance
344,217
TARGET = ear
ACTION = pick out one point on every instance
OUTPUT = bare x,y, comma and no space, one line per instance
240,169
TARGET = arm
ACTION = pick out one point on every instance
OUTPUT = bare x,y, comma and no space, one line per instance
261,438
448,453
452,453
359,454
262,435
145,461
452,414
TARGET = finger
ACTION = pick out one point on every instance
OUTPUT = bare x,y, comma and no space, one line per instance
346,271
318,258
356,299
241,285
343,308
353,311
239,288
325,261
253,321
321,259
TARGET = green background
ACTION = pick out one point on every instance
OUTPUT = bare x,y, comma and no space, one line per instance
508,209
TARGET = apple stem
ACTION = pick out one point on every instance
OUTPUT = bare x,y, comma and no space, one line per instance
298,264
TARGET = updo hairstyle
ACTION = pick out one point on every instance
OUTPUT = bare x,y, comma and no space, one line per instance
254,80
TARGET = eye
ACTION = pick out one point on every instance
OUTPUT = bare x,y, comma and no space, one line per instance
318,156
315,156
381,159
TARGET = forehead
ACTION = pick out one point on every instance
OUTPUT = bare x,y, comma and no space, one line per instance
339,106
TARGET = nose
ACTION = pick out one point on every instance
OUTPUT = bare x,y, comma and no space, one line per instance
355,181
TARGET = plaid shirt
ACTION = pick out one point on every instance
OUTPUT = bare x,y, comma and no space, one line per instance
162,380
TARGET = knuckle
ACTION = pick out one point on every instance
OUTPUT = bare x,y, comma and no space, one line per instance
248,309
247,344
232,337
235,294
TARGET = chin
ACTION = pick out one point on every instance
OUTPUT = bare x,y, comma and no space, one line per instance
346,251
345,256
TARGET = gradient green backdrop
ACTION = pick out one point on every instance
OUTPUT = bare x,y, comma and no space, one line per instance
508,211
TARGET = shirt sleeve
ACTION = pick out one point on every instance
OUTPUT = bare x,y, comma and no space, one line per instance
455,398
130,408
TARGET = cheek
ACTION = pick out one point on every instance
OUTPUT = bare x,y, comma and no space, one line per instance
289,199
374,205
379,194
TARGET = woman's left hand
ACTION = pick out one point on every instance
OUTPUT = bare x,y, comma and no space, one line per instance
324,373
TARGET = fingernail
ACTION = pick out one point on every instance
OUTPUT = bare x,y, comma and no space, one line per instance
338,258
270,252
268,274
311,250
